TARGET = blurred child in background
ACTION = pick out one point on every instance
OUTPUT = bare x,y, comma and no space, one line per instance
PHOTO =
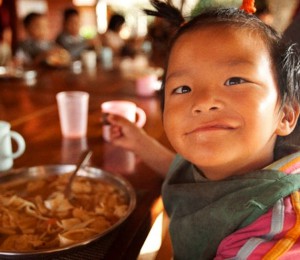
70,39
37,48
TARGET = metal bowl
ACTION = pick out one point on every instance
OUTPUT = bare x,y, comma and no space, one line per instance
32,173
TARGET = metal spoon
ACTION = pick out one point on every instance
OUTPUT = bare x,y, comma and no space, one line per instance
85,156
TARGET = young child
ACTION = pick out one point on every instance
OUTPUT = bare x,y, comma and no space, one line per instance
37,48
111,38
230,95
70,39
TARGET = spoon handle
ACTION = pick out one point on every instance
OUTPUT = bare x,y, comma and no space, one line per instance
85,156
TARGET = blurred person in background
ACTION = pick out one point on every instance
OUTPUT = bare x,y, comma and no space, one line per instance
5,36
37,48
159,34
112,37
70,39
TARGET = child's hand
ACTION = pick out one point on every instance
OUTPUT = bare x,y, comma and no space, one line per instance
125,133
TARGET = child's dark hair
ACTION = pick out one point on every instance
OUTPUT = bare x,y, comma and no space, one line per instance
115,22
31,17
69,12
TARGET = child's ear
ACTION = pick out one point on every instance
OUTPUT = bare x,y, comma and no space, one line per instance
288,119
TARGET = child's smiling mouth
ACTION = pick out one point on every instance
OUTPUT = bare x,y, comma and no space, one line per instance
211,127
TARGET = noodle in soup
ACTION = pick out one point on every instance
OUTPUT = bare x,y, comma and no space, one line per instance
35,215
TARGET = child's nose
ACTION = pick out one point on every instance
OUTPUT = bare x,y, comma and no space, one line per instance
206,101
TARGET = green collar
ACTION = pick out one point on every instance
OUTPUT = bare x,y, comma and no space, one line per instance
202,212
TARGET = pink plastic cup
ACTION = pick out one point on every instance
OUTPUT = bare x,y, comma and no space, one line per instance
73,113
123,108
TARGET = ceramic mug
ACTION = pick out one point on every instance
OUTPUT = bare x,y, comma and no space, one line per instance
6,151
123,108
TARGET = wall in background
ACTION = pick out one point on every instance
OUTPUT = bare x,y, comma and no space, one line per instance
283,11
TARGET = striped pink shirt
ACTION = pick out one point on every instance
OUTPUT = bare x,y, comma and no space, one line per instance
255,240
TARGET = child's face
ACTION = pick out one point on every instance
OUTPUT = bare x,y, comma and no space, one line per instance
221,101
72,25
38,29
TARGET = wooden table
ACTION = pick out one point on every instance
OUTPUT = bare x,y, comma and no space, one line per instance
32,111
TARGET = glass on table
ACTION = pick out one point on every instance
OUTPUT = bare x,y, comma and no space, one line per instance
73,113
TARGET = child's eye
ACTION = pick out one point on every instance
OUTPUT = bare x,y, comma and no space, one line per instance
182,90
234,81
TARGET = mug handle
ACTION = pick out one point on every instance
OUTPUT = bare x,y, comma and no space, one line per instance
141,117
21,144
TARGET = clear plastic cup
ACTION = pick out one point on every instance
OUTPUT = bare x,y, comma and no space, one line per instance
73,113
89,59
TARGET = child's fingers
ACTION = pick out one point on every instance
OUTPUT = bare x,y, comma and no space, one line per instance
117,120
115,132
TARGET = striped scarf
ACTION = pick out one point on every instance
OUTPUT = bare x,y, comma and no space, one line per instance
202,212
291,165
